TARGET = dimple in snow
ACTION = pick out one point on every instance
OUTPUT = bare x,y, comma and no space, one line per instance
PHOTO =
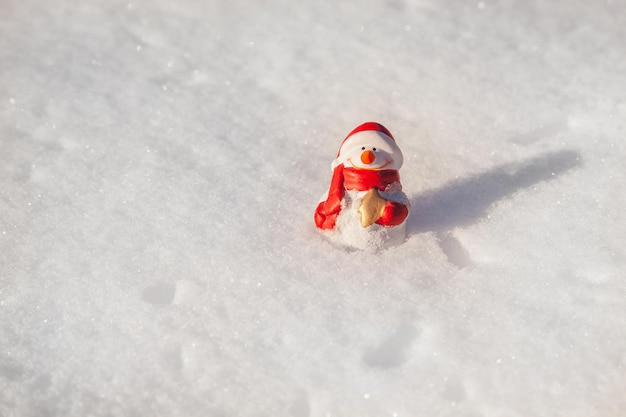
365,206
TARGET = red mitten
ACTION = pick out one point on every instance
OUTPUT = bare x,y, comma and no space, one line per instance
393,214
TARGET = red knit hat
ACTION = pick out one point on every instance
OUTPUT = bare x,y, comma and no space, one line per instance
367,126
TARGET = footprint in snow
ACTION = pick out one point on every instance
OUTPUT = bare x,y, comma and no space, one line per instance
159,294
391,351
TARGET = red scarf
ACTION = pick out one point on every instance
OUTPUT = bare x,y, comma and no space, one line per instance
350,179
366,179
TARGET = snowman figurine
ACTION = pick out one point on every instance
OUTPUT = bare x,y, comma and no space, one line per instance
365,207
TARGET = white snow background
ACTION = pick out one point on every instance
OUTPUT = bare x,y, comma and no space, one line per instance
161,161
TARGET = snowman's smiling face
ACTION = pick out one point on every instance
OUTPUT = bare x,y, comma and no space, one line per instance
369,158
371,150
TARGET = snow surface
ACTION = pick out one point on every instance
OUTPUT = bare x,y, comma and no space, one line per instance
160,163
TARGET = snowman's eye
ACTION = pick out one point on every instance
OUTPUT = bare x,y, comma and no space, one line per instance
374,149
363,148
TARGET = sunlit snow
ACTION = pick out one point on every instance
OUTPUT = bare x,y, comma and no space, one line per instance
161,161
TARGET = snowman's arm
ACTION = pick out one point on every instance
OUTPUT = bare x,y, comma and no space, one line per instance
328,210
393,214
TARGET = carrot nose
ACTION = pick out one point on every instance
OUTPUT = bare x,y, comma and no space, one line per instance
367,157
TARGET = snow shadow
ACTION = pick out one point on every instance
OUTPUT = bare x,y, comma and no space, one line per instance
464,201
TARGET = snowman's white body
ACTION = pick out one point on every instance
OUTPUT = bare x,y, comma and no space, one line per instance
349,232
